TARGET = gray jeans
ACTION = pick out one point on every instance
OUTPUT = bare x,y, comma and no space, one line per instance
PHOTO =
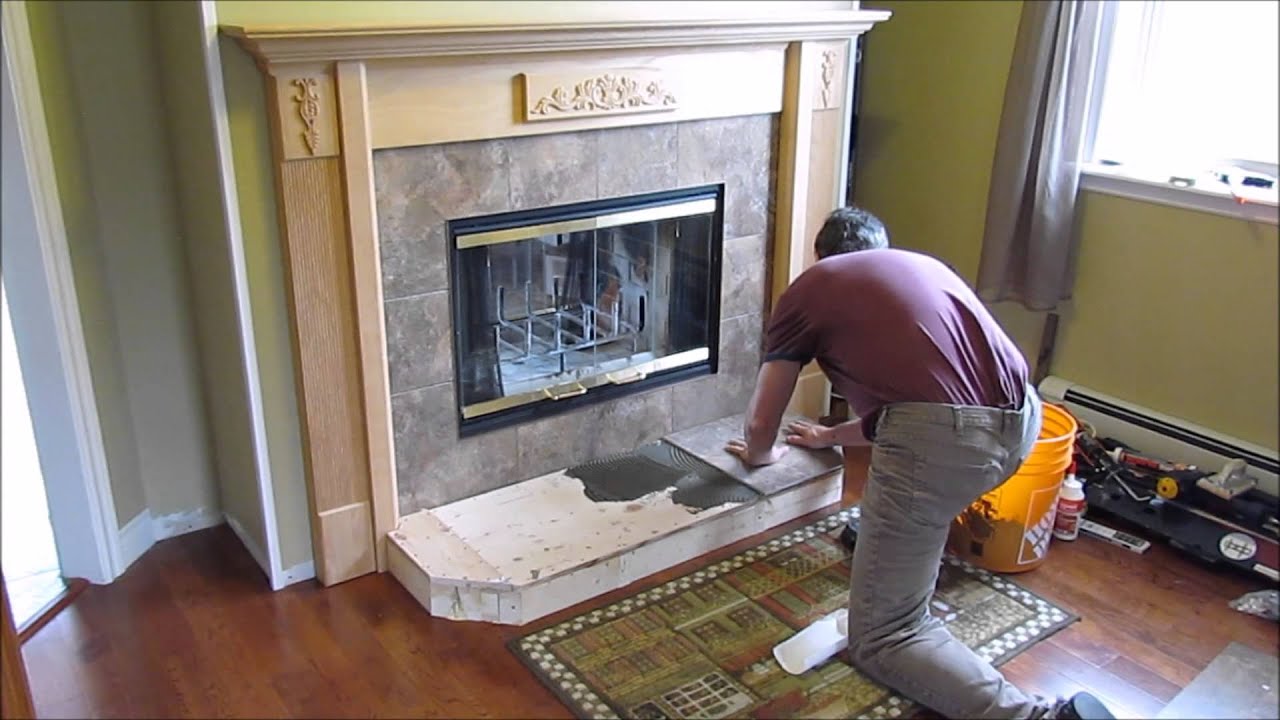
928,463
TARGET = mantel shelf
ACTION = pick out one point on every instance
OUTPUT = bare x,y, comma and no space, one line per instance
274,44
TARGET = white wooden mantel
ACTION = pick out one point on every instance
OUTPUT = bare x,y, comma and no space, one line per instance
336,94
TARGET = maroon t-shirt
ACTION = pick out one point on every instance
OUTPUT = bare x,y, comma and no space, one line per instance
892,325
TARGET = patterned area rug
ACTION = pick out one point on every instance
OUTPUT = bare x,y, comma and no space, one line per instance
701,646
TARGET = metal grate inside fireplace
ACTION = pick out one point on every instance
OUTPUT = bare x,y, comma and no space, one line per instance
562,306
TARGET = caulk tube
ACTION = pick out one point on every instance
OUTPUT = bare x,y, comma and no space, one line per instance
815,644
1124,456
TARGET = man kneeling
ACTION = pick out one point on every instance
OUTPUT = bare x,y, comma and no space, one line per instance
940,394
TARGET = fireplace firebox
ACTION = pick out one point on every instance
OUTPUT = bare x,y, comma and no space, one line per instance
558,307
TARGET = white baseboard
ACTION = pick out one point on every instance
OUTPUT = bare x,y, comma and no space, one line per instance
167,526
136,537
250,544
296,574
145,530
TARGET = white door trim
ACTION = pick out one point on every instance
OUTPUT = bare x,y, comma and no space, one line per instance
279,575
87,510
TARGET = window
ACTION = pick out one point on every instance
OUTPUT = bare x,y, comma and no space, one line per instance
1187,92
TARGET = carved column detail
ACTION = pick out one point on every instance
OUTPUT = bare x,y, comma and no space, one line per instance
829,59
305,111
811,170
308,101
831,78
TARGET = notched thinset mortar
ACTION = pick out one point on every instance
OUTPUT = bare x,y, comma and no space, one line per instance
655,467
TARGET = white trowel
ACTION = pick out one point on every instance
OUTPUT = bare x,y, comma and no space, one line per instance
815,644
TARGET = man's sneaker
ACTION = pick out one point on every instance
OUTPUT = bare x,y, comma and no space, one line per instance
849,535
1083,706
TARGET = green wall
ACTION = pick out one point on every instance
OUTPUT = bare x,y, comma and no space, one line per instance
179,33
1177,310
932,87
96,315
99,80
1173,309
264,265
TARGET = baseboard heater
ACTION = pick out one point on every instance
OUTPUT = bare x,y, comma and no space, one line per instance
1161,436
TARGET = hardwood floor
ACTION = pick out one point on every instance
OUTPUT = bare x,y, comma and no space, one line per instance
71,589
191,630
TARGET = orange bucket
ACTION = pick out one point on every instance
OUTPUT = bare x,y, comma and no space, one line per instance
1008,529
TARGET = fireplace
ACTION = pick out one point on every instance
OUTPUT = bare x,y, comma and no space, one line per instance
666,225
561,307
389,144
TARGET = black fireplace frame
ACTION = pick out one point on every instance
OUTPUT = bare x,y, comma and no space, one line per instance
521,414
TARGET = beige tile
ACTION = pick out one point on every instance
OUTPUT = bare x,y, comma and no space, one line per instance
557,442
743,276
433,466
553,169
637,159
419,342
629,422
594,432
416,191
735,151
728,391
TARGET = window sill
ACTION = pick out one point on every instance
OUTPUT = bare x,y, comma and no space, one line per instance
1201,198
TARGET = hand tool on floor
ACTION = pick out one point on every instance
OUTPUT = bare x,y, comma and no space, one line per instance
1232,480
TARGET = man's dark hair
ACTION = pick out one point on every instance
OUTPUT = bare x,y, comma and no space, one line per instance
850,229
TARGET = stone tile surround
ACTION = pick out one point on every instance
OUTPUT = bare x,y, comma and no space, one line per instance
419,188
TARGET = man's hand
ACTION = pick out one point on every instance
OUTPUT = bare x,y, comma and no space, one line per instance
739,447
809,435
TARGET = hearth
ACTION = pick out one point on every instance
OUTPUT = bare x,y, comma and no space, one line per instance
563,306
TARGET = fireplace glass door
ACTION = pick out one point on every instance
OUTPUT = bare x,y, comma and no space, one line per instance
562,306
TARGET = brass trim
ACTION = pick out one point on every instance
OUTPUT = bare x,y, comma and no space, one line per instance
629,375
642,370
560,392
596,222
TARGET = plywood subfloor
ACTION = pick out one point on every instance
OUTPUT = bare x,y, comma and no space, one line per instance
536,529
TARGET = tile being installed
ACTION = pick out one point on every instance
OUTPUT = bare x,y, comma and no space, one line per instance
797,466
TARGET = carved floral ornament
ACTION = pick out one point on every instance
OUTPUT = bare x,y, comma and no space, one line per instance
828,76
605,93
308,100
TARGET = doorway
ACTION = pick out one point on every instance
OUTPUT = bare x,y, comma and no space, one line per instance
57,464
32,572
